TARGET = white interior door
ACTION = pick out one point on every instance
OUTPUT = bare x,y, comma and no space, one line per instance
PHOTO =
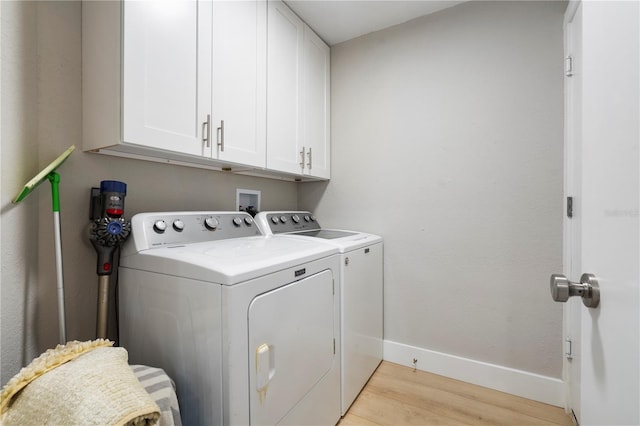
603,237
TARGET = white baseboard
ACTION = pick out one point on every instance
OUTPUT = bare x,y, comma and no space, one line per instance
517,382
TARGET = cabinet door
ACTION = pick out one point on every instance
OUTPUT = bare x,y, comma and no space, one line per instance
239,81
315,105
284,74
166,74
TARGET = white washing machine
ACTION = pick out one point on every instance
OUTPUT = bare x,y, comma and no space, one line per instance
246,325
361,293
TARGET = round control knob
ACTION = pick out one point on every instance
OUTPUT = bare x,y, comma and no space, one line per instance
211,223
178,225
313,218
283,219
275,219
307,218
237,221
248,221
160,226
295,218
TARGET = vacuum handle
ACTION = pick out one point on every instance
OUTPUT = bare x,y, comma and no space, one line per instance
105,258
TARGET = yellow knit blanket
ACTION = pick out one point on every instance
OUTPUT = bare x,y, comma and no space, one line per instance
80,383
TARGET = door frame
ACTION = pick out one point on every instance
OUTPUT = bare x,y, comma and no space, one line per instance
570,328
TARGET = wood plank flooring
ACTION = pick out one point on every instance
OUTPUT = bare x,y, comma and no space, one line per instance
397,395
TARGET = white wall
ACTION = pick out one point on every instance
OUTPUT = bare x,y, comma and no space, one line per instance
41,117
447,140
19,160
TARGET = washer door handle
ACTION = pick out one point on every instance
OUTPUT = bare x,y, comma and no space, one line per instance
588,288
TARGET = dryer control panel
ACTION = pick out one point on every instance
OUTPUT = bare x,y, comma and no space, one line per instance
151,230
281,222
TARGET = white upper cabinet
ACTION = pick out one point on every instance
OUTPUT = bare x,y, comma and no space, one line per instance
284,84
315,105
166,87
169,77
297,96
206,84
239,113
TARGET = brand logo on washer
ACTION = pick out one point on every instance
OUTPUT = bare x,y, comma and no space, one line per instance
300,272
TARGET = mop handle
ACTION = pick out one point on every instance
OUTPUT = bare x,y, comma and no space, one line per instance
54,178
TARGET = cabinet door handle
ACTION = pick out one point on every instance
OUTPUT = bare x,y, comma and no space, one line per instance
309,155
206,134
221,135
302,158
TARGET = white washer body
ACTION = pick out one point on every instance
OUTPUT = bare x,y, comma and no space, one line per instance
361,293
248,327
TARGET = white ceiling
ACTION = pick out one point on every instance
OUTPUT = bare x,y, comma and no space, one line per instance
336,21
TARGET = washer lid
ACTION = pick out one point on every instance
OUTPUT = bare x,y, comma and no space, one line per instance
304,224
229,261
327,234
344,240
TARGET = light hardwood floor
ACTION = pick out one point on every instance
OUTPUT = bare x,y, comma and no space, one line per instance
397,395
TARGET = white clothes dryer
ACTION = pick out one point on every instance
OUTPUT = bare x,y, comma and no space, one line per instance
361,293
246,325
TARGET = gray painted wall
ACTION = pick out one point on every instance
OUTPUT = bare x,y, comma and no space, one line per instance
447,140
41,117
18,157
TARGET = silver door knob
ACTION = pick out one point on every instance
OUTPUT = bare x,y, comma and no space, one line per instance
588,288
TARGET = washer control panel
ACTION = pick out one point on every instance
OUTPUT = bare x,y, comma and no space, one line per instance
151,230
280,222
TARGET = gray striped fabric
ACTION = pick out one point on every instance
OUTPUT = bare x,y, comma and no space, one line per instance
162,390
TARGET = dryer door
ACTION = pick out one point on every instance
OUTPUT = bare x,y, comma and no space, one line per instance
291,345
